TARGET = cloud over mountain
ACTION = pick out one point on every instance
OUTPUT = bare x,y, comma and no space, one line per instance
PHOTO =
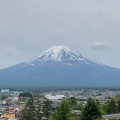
98,46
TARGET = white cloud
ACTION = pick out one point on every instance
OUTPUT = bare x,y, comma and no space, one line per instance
98,46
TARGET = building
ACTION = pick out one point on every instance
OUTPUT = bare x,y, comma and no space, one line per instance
5,90
20,99
56,98
112,116
14,109
8,115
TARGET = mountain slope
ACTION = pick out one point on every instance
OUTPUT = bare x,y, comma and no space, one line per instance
59,66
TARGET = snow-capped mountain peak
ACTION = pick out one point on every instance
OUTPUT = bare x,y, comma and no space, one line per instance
57,54
57,49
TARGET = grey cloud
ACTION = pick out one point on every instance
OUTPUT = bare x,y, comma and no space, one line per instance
29,27
98,46
100,13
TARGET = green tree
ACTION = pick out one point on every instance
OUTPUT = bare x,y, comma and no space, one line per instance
46,108
118,106
29,112
35,109
116,97
72,101
90,111
38,110
103,109
62,111
4,97
98,103
111,107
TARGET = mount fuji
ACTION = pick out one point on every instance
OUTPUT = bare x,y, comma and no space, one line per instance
59,67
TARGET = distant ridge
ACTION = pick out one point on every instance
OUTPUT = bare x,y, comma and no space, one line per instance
59,66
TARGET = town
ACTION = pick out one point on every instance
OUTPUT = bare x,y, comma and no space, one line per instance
13,102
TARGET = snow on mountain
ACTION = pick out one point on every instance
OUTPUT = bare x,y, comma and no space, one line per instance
58,54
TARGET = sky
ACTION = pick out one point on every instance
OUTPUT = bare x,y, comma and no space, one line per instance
89,27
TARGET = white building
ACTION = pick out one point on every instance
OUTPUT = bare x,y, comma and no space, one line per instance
5,90
56,98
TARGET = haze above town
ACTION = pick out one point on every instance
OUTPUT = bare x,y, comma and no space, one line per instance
28,28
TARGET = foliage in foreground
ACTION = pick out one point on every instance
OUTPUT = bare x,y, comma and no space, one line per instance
90,111
62,111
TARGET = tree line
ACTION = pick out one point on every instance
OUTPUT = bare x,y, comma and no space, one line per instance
37,109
